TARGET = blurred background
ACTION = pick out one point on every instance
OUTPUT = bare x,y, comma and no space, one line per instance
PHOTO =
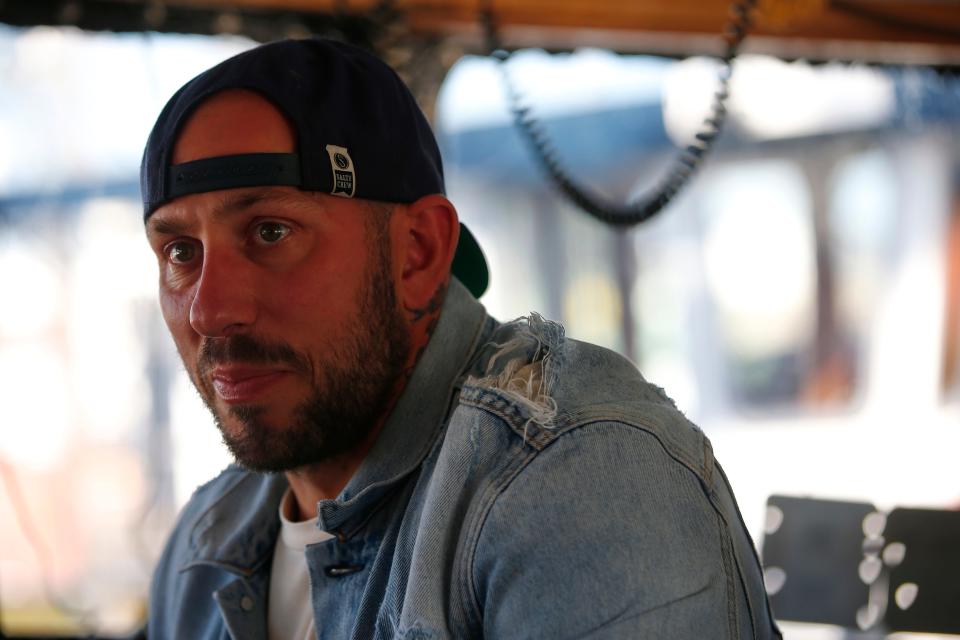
799,298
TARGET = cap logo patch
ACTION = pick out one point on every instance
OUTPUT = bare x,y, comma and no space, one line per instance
344,179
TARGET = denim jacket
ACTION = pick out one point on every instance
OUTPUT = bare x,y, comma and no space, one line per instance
525,486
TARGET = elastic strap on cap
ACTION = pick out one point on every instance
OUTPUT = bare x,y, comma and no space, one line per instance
230,172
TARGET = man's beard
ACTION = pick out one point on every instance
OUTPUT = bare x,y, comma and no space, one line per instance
350,389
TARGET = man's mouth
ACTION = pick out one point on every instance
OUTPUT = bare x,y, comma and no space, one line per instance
236,384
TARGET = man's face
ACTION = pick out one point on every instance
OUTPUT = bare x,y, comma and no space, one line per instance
282,304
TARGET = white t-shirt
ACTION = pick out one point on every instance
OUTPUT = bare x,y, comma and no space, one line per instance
290,614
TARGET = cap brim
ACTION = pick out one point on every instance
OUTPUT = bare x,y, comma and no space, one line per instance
469,265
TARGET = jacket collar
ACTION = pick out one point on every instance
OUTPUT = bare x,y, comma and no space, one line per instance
418,417
238,530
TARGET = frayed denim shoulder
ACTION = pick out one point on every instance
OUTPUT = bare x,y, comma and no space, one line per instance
523,361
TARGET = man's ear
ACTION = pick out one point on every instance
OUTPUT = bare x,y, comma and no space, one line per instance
427,234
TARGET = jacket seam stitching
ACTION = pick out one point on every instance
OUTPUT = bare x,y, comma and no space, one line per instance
613,416
489,499
508,412
755,621
733,624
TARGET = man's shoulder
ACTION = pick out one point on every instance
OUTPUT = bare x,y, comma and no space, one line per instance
566,442
546,385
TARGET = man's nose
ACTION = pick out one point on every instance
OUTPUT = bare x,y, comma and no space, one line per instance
224,301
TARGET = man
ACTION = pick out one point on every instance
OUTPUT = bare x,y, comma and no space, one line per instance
407,466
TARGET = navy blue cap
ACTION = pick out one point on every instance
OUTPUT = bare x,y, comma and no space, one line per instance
359,132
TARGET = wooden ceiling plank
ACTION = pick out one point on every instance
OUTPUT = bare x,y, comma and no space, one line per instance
302,6
677,27
816,19
829,25
543,13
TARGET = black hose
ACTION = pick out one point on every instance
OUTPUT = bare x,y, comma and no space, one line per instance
684,166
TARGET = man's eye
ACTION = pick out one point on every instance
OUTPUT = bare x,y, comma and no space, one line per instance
181,252
271,232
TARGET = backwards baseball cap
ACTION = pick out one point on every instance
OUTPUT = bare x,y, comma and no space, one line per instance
359,132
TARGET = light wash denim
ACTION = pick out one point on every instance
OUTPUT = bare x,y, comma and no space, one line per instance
525,486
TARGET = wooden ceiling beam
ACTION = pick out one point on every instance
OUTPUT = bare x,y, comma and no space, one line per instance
867,29
934,21
885,31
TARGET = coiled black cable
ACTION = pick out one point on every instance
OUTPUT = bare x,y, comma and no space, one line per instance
684,166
